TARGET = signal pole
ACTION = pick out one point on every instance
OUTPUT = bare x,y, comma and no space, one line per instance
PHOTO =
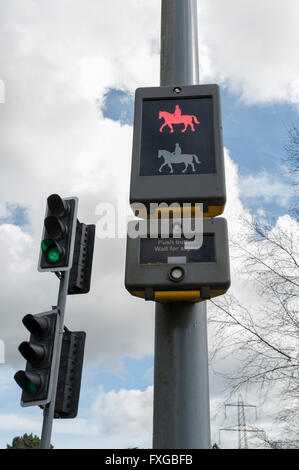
50,408
181,379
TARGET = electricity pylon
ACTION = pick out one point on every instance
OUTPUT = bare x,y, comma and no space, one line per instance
242,429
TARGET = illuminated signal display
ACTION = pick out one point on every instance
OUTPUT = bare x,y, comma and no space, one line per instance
177,118
177,154
177,137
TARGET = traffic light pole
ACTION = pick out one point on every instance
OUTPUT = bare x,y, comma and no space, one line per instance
181,379
50,408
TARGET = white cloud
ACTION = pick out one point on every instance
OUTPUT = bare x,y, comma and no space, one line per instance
126,408
18,423
251,47
264,186
55,140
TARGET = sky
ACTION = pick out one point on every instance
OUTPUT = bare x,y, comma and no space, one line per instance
68,73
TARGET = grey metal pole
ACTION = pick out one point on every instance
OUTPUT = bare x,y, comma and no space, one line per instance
181,379
179,43
50,408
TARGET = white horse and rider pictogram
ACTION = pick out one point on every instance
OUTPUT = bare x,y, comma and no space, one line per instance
176,157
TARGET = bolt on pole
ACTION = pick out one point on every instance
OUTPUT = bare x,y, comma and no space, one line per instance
181,381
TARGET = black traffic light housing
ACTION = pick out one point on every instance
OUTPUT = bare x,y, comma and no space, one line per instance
70,371
58,238
36,380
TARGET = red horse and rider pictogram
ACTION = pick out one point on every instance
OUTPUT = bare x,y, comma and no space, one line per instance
177,118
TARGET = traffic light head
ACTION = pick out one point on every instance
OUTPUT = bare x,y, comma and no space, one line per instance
29,382
59,207
57,245
39,326
35,381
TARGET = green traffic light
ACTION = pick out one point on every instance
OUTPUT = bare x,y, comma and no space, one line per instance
28,381
51,249
53,255
31,388
46,244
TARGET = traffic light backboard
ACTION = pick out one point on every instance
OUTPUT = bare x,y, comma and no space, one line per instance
70,371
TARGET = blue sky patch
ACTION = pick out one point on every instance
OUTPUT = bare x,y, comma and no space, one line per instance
17,215
119,106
